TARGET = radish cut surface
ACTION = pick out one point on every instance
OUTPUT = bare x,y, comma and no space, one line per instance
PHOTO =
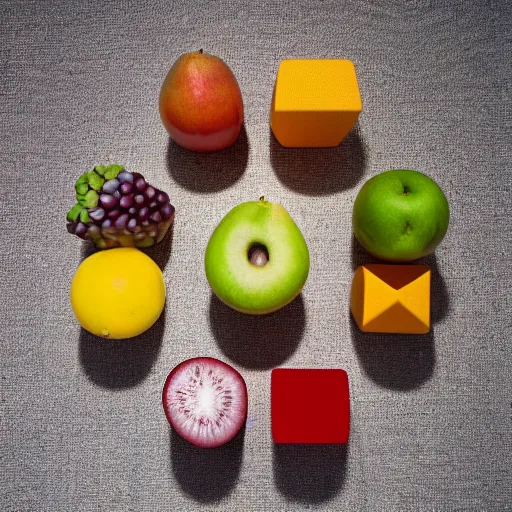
205,401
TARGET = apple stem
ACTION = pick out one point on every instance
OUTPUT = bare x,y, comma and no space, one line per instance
201,51
262,198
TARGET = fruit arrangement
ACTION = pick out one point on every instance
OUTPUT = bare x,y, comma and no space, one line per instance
256,260
119,208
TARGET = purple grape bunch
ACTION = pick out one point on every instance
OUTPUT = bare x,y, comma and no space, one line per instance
119,208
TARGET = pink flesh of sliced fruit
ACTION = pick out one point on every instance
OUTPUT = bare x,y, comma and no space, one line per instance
205,401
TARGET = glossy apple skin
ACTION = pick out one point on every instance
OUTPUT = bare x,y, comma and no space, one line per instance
201,104
246,287
400,215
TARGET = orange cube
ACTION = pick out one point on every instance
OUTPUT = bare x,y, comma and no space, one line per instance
391,298
316,102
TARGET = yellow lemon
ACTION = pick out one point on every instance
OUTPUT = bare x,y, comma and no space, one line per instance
118,293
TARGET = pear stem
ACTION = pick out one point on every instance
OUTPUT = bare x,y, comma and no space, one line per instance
262,198
201,51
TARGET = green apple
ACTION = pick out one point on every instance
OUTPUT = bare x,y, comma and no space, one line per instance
257,260
400,215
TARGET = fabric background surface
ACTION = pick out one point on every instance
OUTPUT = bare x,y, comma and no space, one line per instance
81,422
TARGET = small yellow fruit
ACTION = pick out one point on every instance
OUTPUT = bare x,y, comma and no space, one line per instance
118,293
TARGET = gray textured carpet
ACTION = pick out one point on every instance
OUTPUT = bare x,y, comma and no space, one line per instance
81,422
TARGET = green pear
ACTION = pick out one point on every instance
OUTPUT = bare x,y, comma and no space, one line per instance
257,260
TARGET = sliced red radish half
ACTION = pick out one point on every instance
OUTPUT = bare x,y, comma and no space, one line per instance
205,401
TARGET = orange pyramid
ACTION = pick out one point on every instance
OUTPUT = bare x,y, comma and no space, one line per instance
391,298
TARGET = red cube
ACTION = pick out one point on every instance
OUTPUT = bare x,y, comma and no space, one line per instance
310,406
